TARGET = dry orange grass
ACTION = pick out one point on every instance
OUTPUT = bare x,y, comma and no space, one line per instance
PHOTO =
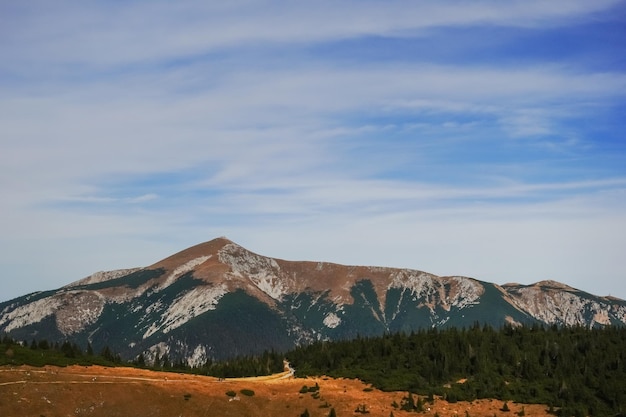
108,392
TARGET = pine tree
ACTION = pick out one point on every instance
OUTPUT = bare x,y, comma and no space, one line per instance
106,354
419,406
68,349
431,398
141,361
408,403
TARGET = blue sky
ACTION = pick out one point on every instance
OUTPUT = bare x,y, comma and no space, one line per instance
484,139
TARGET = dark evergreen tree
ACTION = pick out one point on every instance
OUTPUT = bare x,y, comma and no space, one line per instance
165,362
107,354
408,403
140,361
68,350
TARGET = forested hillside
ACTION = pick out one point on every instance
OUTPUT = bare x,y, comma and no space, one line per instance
577,371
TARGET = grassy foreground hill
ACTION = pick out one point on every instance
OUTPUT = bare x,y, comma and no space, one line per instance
576,370
104,391
573,371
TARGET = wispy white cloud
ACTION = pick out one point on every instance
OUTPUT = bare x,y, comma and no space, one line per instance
119,34
125,123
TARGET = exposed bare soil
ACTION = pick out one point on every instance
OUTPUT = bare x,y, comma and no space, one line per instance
99,391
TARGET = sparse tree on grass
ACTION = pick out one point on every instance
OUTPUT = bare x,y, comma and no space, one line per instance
408,403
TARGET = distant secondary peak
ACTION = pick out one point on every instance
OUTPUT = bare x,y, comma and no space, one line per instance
553,284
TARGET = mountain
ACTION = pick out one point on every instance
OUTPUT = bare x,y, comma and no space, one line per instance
217,300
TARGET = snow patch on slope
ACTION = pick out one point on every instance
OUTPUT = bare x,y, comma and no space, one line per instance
183,269
448,292
465,291
102,276
191,304
156,352
419,283
30,313
198,357
263,272
79,310
332,321
73,311
565,307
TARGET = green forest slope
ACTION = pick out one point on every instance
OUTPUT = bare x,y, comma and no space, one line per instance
575,370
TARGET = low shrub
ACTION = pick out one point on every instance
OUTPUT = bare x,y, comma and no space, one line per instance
247,392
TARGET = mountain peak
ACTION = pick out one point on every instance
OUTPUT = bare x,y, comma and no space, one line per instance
209,248
217,300
545,284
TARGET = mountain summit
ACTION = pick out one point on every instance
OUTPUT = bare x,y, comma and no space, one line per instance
217,300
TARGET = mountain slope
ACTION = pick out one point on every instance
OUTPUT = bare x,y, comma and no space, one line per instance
216,300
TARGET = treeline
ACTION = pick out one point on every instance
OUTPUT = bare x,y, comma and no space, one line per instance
242,366
576,371
266,364
42,352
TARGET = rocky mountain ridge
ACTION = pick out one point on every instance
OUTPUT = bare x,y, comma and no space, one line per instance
217,299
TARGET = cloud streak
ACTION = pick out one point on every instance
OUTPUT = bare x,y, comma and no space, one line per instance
118,34
313,131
